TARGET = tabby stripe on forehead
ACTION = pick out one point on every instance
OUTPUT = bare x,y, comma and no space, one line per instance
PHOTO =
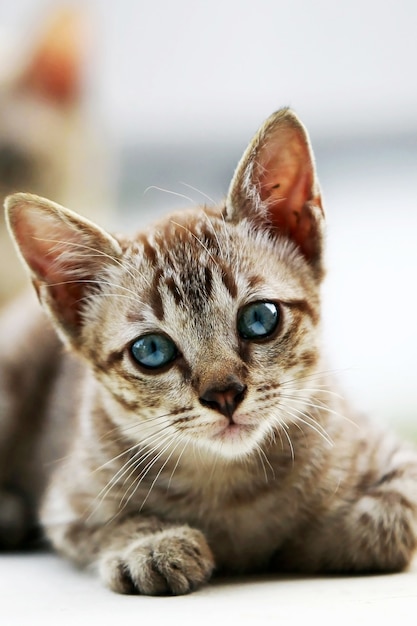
174,289
148,250
227,278
255,281
208,281
155,299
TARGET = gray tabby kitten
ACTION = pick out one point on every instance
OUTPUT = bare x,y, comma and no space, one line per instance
191,419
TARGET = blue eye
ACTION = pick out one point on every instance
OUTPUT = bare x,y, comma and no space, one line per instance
153,351
258,320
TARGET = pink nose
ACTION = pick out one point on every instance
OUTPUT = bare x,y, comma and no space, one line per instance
224,400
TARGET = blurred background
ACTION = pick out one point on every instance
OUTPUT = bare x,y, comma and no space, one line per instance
170,93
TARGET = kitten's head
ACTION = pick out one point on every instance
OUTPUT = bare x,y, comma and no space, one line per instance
203,327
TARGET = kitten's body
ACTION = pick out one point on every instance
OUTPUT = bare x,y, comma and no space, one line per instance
235,451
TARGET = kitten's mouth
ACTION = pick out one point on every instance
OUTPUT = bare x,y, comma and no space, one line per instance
233,431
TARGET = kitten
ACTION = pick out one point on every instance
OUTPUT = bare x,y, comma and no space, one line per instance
47,140
192,420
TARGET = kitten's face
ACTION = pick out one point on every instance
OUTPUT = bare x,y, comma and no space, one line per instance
203,340
202,331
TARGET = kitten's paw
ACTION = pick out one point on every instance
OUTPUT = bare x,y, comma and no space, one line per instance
171,562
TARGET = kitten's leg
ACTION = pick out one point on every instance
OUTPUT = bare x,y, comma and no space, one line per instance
16,516
371,524
139,554
28,360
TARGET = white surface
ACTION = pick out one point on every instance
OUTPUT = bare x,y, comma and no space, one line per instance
45,590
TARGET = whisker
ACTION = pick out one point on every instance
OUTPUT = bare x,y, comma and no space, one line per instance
284,430
173,193
146,454
138,427
213,468
221,252
122,471
318,374
261,454
123,264
198,191
129,493
123,501
319,389
161,470
303,417
320,406
115,458
198,240
147,423
128,450
187,441
227,238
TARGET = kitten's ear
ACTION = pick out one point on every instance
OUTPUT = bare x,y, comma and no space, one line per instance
64,253
275,186
55,68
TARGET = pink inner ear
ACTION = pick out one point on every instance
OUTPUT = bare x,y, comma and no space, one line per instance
284,176
38,236
65,254
38,239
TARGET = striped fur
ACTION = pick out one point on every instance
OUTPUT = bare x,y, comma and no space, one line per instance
157,487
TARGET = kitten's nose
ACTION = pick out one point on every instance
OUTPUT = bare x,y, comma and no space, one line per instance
224,399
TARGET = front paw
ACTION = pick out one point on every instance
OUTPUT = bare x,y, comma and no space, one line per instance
172,562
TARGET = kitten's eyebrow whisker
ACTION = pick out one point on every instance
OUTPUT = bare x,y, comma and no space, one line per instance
221,252
198,191
227,237
173,193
